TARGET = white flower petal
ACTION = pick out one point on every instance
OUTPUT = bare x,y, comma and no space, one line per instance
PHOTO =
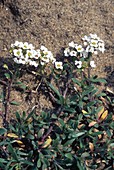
92,64
58,65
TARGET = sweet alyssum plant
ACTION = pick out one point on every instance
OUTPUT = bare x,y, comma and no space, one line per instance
78,132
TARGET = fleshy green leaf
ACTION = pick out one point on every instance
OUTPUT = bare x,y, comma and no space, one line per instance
3,131
12,151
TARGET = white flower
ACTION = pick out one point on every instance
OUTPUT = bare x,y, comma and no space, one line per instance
33,63
12,45
31,47
16,43
79,48
71,44
89,49
85,54
19,61
45,55
25,45
75,46
102,49
17,52
59,65
94,43
101,46
95,52
16,60
73,53
38,53
66,52
50,55
78,64
45,58
85,43
20,44
22,61
30,54
86,38
43,48
94,36
52,59
42,63
25,58
92,64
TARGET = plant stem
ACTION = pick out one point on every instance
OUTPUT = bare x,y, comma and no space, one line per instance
48,132
57,113
6,102
3,83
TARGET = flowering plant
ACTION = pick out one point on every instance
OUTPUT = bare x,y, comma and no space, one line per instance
77,132
92,44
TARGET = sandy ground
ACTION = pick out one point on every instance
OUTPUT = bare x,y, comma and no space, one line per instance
54,23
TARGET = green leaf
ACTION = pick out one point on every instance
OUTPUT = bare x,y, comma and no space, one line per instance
23,86
17,116
108,132
54,116
85,154
86,92
81,104
27,162
22,153
7,76
30,115
18,83
9,167
2,165
2,160
91,103
2,131
13,166
29,136
96,133
76,81
55,90
69,109
61,122
39,163
12,151
69,156
15,103
98,80
101,94
94,92
76,135
69,142
41,132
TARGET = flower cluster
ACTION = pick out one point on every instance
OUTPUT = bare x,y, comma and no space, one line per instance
45,56
24,53
91,45
73,50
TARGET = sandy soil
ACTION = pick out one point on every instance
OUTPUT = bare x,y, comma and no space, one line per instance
54,23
